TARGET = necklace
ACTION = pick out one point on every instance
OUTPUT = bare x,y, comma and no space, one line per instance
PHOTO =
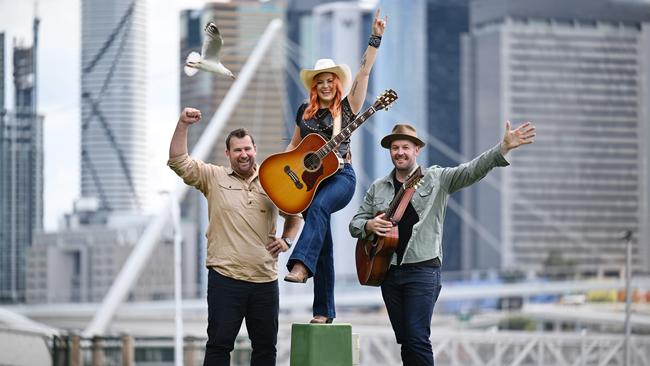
320,115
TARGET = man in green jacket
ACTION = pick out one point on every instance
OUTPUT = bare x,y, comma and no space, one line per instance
412,284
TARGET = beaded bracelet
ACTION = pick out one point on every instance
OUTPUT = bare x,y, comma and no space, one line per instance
374,41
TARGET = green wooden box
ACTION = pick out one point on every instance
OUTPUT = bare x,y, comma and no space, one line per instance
321,345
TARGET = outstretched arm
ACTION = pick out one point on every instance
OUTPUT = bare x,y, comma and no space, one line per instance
453,179
360,85
522,135
178,145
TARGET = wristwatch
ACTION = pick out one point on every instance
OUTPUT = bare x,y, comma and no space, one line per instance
288,241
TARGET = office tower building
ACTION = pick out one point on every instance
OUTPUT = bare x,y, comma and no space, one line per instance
113,121
21,164
578,69
2,73
79,264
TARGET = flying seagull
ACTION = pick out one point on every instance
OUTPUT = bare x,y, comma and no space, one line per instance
208,60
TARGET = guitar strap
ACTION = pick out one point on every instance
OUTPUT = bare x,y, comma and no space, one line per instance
403,203
406,198
337,125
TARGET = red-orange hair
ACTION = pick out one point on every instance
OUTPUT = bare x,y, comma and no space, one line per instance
314,105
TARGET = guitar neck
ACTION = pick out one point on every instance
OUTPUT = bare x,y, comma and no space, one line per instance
413,179
345,133
395,203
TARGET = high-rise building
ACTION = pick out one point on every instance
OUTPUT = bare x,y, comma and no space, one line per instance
21,164
261,108
579,70
113,85
425,73
2,74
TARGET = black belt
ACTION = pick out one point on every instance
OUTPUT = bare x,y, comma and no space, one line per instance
435,262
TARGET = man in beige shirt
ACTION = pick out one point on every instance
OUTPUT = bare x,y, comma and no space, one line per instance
242,244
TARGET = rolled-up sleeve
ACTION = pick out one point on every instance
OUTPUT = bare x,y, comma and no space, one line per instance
194,172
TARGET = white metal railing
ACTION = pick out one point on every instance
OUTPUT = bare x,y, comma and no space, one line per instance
486,348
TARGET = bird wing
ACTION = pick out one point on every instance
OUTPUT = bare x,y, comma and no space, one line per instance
192,57
212,42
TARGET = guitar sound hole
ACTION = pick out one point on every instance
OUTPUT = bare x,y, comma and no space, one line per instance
312,162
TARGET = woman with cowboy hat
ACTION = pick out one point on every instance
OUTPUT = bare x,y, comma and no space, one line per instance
328,110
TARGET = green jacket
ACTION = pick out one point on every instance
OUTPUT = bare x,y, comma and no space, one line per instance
429,201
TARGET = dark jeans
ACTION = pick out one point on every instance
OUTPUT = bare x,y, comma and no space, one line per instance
229,302
314,247
410,294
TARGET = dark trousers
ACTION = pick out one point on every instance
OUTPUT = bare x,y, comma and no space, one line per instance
229,302
410,293
315,248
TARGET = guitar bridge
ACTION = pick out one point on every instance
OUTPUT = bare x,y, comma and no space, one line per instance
293,176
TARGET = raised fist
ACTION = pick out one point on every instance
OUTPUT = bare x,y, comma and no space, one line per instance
190,115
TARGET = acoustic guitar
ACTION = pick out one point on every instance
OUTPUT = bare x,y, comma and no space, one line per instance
373,256
291,178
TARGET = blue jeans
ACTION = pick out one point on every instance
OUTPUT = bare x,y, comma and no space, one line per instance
410,293
229,302
314,247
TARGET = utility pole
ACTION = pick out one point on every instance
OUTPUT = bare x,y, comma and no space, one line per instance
627,236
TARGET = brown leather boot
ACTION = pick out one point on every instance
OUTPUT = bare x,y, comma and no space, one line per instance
320,319
298,274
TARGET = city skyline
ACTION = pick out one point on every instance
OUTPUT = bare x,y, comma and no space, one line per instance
59,91
59,99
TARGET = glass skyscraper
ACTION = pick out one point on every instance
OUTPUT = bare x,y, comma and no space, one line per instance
113,119
21,164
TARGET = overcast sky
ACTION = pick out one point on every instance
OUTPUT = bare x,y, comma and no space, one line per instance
58,94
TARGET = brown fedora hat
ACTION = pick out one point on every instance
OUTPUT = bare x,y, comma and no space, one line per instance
402,131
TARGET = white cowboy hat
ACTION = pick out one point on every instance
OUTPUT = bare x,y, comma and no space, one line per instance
327,65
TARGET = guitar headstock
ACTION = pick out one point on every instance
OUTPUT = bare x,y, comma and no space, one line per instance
385,99
414,180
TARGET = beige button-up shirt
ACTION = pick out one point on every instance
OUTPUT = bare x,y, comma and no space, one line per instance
242,219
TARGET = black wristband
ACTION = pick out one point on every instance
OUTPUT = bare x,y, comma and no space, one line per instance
374,41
